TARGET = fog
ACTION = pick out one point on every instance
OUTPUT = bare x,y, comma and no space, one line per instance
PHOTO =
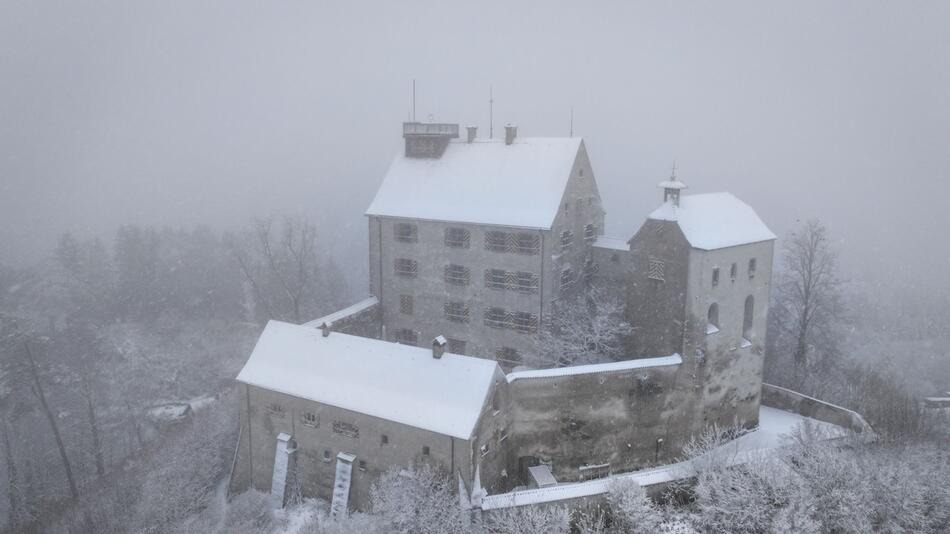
186,113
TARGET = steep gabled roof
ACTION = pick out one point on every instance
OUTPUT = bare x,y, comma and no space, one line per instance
394,382
715,220
483,182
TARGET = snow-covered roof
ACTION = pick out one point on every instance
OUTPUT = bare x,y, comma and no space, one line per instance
610,242
395,382
344,313
641,363
483,182
715,220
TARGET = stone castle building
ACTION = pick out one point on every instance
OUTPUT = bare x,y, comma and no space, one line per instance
472,245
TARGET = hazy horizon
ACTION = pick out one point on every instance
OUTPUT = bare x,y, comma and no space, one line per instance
210,114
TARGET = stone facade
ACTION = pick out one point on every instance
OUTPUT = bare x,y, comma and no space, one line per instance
695,357
411,273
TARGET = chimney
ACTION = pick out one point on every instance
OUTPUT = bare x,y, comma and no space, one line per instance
325,328
471,133
510,133
438,347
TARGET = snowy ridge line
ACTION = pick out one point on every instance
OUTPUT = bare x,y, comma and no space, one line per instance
338,315
642,363
612,243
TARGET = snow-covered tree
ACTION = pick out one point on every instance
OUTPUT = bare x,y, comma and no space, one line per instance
553,519
417,500
589,328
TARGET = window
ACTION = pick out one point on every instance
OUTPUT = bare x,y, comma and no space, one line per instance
752,268
615,258
405,304
456,311
405,267
362,465
567,278
425,450
496,317
567,239
327,456
527,243
715,278
525,322
656,269
310,419
590,232
457,275
526,282
565,207
733,271
275,410
384,440
407,336
712,319
456,346
496,279
496,241
346,429
457,238
406,232
747,320
484,449
508,355
580,172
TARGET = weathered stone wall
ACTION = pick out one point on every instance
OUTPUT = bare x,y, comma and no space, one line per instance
603,422
319,444
732,365
656,308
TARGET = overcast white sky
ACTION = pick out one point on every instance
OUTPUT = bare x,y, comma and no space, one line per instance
184,113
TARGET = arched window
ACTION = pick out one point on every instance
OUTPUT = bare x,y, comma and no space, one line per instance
747,318
712,319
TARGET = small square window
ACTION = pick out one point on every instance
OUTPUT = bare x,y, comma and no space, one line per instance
406,232
405,304
457,238
406,267
362,465
615,258
310,419
384,440
425,450
276,410
327,456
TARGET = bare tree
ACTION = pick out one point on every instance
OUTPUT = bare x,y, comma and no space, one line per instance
589,329
808,306
281,267
41,396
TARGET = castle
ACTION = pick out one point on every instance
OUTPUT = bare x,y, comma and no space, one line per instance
473,245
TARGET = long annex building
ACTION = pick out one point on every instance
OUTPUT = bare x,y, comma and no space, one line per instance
473,245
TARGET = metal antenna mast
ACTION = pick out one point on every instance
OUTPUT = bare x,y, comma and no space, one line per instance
572,122
413,100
